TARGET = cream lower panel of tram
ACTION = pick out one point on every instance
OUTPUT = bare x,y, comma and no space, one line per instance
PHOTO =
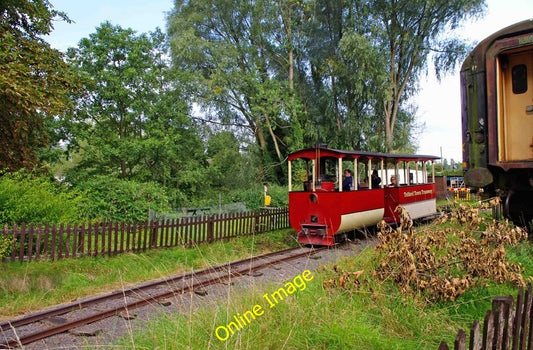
420,209
360,219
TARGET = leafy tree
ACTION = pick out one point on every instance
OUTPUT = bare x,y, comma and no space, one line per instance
35,83
132,122
120,78
405,33
240,68
295,73
229,168
345,79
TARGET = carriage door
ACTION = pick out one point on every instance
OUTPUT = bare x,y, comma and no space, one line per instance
517,106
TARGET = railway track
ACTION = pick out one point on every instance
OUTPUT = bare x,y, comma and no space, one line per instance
37,326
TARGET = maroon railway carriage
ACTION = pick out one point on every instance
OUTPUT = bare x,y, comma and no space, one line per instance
497,119
321,212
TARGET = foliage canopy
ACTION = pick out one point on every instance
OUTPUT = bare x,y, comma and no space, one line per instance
35,82
212,109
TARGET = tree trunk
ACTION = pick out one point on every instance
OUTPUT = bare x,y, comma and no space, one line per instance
274,138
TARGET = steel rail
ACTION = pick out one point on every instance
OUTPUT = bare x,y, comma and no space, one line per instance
139,288
24,340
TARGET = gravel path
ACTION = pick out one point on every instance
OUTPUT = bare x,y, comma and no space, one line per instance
108,331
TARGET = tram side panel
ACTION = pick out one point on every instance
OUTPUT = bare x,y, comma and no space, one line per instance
419,201
318,216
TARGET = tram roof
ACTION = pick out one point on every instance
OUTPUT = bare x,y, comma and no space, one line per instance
311,153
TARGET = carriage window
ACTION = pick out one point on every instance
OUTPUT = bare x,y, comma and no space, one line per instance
519,79
328,169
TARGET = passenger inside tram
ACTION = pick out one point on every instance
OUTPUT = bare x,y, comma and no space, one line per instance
347,184
376,180
392,181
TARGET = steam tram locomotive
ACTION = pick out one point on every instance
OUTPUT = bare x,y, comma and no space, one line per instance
322,212
497,119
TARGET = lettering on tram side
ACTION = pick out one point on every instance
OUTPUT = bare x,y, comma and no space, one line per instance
416,193
298,284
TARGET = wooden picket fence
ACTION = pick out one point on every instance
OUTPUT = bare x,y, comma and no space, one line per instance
504,327
26,242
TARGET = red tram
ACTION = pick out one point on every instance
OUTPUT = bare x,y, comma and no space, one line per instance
321,211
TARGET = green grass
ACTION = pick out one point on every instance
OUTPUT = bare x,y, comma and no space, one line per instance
29,286
451,202
477,301
373,316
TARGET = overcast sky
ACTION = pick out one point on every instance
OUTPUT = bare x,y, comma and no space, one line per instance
438,103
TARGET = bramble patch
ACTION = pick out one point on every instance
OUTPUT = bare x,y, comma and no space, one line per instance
441,263
444,263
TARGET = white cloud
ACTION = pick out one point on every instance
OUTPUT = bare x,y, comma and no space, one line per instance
140,15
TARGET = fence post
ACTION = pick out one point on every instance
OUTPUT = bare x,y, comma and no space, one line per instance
503,321
81,240
122,232
443,346
94,232
22,241
526,320
140,239
69,246
38,241
488,330
210,228
60,241
46,238
89,238
517,324
256,223
31,233
110,243
460,341
75,242
14,242
154,229
475,336
54,242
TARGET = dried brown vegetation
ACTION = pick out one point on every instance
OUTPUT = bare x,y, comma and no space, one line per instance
441,262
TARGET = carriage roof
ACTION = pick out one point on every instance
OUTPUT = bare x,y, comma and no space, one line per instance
477,56
313,153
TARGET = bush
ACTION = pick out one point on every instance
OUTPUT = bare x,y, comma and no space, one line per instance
28,197
443,263
5,246
253,196
112,199
279,194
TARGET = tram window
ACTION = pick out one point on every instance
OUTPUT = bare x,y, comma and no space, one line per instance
328,169
519,79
